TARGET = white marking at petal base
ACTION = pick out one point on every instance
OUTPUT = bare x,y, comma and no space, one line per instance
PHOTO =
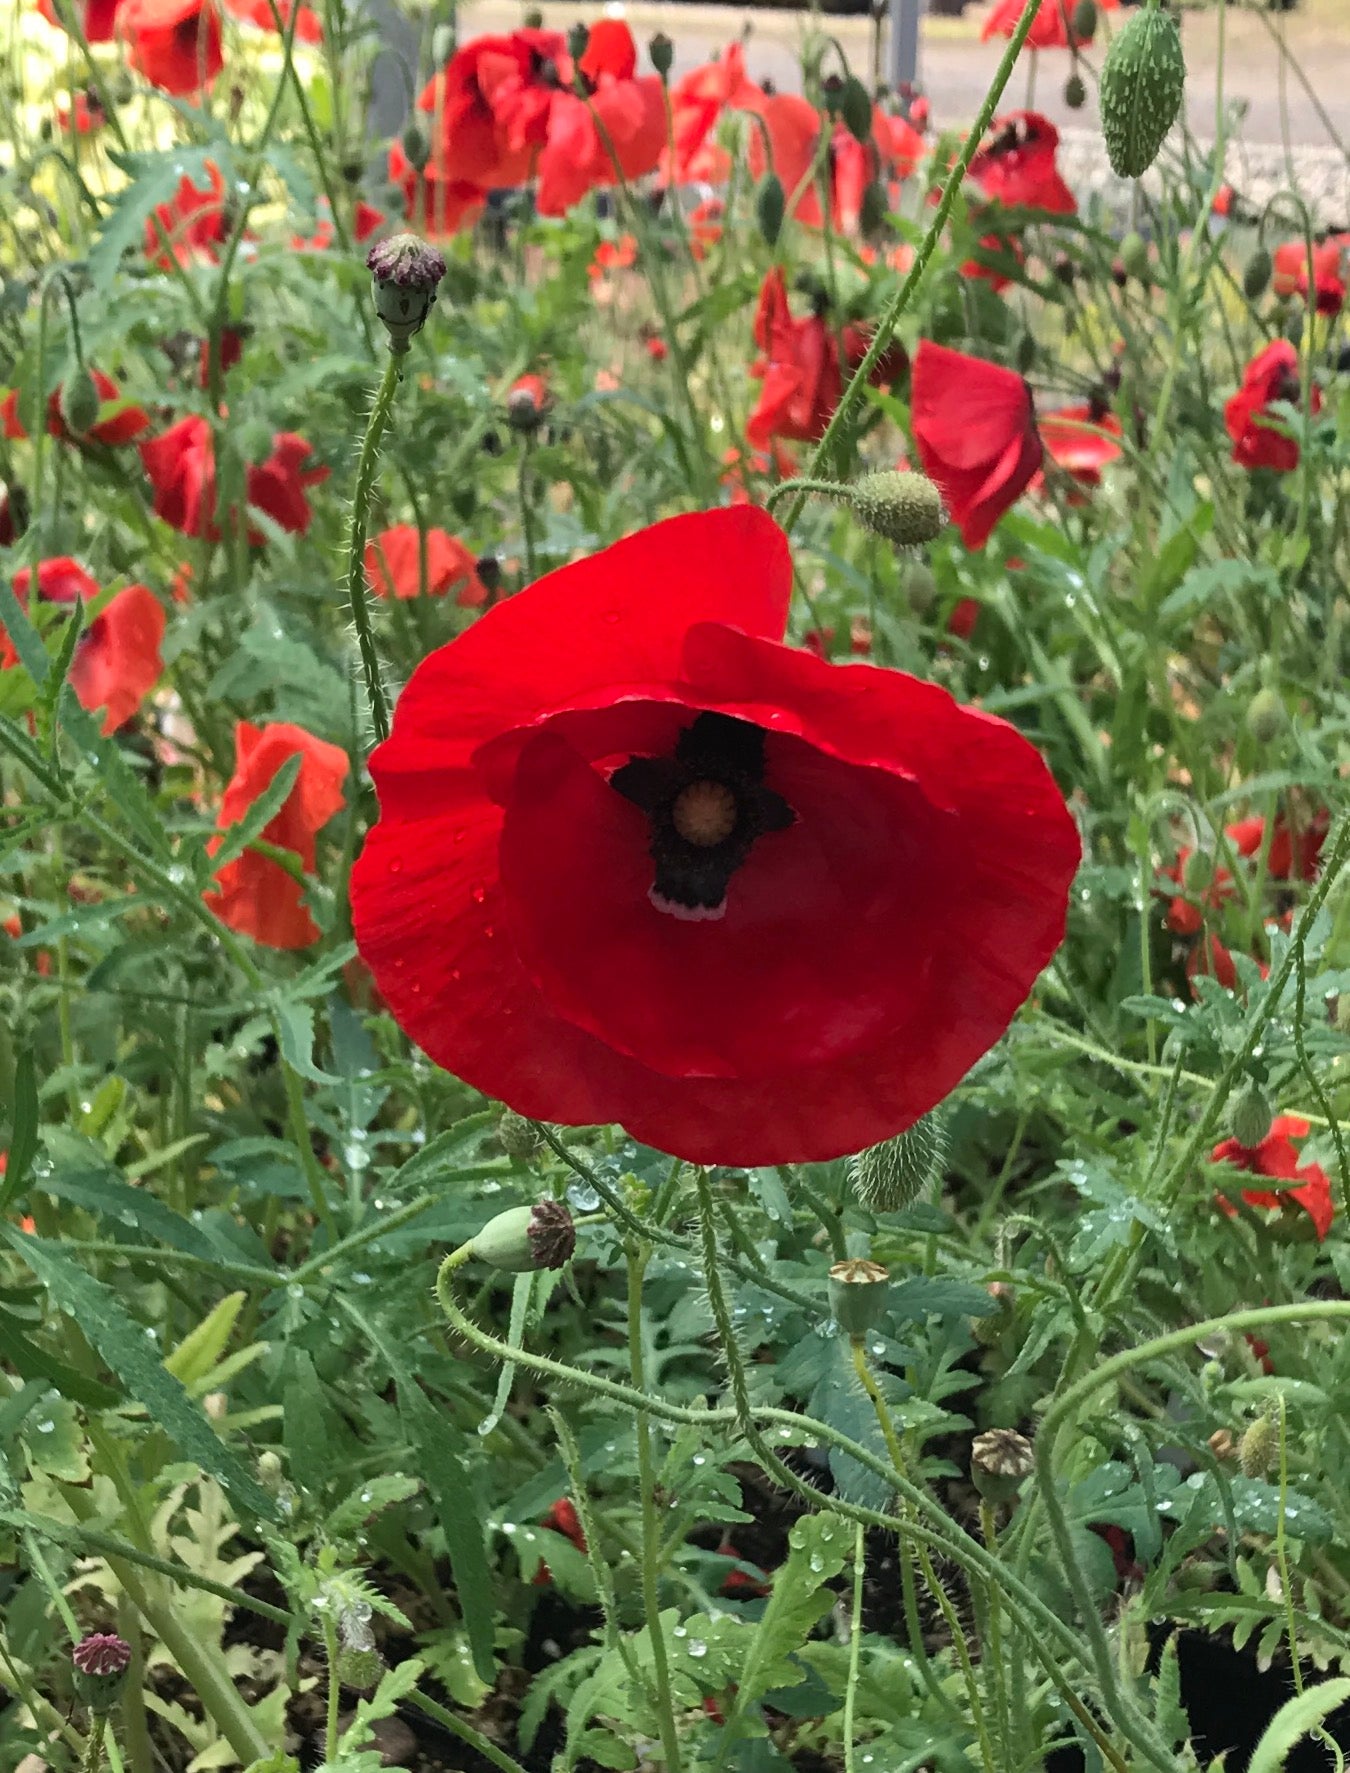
687,913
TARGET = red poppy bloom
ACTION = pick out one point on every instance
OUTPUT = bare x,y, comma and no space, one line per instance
656,347
492,104
620,131
612,255
117,661
1271,375
182,469
961,622
1053,28
1296,849
191,225
800,369
87,116
393,564
1186,912
705,226
124,423
174,43
1017,166
697,100
975,431
793,125
99,18
366,219
639,861
1290,274
433,204
1081,440
231,350
254,894
1224,200
308,27
1276,1158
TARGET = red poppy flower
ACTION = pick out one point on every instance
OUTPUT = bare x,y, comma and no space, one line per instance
254,894
562,1518
639,861
191,225
656,347
697,100
1053,28
1276,1158
308,27
1017,166
366,219
99,18
975,431
393,564
174,43
612,255
961,622
231,350
1296,849
793,126
1081,440
120,426
182,469
491,106
1186,912
619,132
433,204
1290,273
800,370
705,226
1224,199
117,660
1271,375
87,116
778,463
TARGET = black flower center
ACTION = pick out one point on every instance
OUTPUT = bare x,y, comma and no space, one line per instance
707,806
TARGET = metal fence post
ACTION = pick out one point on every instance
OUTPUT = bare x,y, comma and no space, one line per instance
904,48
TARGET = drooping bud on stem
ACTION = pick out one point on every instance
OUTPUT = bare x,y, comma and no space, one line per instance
889,1176
905,508
662,52
406,274
79,402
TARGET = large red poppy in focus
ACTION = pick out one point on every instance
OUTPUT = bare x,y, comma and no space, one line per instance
975,430
639,861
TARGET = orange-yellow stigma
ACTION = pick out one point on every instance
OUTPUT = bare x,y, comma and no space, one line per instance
705,813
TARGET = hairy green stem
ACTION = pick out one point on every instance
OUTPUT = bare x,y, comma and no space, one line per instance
356,543
651,1529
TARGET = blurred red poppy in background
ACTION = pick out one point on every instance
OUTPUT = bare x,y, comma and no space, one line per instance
393,566
619,130
118,427
175,44
1081,440
1277,1159
975,431
1289,276
1273,374
98,17
254,894
181,465
308,27
800,368
639,861
1017,166
117,660
1053,26
697,101
191,225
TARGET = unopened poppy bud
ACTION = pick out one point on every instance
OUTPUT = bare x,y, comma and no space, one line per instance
1265,716
1134,255
662,52
858,1292
770,204
101,1664
1075,92
1256,274
1293,329
874,209
1250,1116
79,402
406,272
1000,1459
889,1176
525,1238
443,40
855,108
357,1668
416,144
1024,351
905,508
525,402
489,570
1257,1447
519,1137
1198,872
578,39
832,93
1084,21
1142,83
920,589
534,19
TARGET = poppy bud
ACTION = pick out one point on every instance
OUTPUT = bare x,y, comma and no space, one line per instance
489,570
855,107
858,1290
889,1176
770,204
1084,21
406,272
662,52
874,209
534,19
526,1238
1256,1448
905,508
1075,92
920,589
359,1669
1198,872
101,1664
1142,82
1134,255
442,45
353,170
999,1461
1256,276
1250,1116
987,1330
1293,329
79,402
416,145
525,402
519,1137
578,38
832,93
1265,716
270,1471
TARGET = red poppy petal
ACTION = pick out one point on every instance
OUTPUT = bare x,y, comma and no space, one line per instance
618,618
968,407
117,662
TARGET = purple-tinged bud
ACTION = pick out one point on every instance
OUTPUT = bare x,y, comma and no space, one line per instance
406,272
101,1663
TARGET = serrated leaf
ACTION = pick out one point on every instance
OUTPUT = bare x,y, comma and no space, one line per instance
238,837
295,1023
132,1356
1296,1718
395,1685
31,1361
375,1494
305,1428
202,1347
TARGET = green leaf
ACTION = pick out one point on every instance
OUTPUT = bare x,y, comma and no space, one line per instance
395,1686
153,179
24,637
80,1173
1296,1718
295,1023
443,1471
23,1137
30,1361
202,1347
133,1357
264,809
305,1428
375,1494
